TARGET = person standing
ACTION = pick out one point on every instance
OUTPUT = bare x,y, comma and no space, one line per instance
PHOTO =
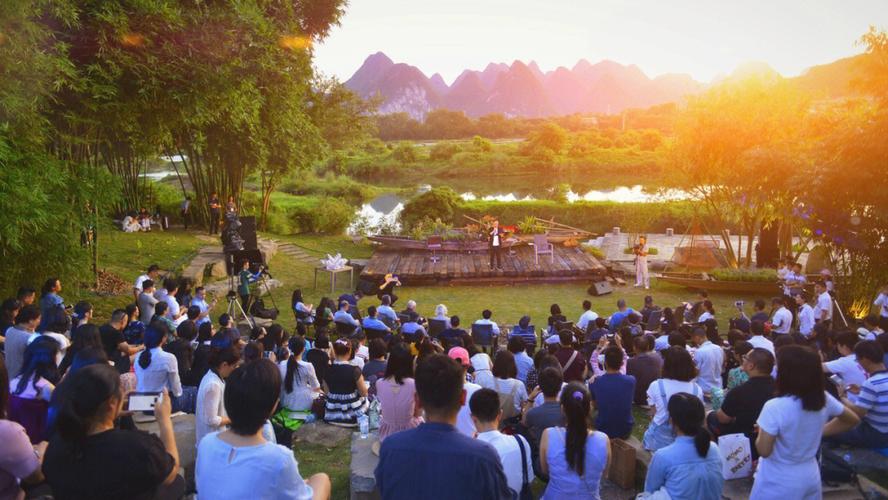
823,308
495,243
185,211
781,320
806,315
882,302
641,264
215,213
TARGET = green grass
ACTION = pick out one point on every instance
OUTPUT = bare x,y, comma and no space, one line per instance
334,461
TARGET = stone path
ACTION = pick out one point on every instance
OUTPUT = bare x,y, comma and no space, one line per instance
298,253
210,260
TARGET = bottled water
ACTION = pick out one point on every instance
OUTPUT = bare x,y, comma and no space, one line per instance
364,425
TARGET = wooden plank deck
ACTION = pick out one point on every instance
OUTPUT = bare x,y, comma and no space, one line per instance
415,268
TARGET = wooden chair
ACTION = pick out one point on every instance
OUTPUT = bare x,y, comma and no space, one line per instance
436,326
541,246
434,243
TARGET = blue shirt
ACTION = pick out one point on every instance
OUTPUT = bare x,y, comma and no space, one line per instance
374,324
613,393
341,316
387,312
347,297
528,336
411,328
436,461
51,310
685,473
616,319
524,363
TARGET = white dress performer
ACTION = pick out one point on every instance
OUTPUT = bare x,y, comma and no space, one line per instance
641,263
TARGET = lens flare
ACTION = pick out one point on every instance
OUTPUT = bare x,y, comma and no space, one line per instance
294,42
132,39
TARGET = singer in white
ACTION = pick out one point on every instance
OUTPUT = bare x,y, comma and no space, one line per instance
641,263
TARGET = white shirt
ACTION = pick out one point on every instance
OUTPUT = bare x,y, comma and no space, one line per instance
263,472
464,422
806,320
492,324
58,337
761,342
514,387
210,407
172,306
782,321
483,374
848,369
705,316
162,372
141,279
585,318
510,456
882,302
496,239
710,360
798,433
204,307
661,343
824,303
303,391
670,387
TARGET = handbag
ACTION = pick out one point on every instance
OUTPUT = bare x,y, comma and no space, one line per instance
525,493
319,407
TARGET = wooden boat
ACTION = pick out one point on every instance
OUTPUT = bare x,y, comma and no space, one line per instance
465,245
704,282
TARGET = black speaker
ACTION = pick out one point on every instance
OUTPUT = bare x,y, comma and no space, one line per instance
600,288
767,252
248,233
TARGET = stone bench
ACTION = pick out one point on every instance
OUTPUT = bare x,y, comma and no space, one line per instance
362,481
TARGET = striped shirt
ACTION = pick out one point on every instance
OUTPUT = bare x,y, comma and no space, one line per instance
873,398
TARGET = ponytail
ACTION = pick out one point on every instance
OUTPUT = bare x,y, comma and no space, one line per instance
292,376
687,414
79,398
153,338
576,405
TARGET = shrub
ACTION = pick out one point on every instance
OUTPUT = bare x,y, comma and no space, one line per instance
438,203
651,251
405,152
443,151
481,144
321,215
730,274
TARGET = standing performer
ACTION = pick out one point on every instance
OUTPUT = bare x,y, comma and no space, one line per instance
215,213
388,288
495,243
641,263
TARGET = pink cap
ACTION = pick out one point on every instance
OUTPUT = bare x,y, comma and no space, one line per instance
459,354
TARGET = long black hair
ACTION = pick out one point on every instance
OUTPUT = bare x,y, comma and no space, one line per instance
39,362
153,338
687,414
296,298
800,374
79,399
291,378
48,285
400,364
576,405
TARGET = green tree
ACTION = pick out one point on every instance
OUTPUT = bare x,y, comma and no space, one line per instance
447,124
549,136
405,152
438,203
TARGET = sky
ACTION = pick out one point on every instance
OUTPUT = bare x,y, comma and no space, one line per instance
704,38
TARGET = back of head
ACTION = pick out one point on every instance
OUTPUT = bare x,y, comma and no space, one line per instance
371,311
252,352
524,322
621,303
676,339
79,401
218,356
757,327
586,306
869,350
687,414
515,345
761,359
439,385
576,406
205,332
550,382
848,339
186,330
251,394
400,363
193,312
678,364
504,365
555,309
86,357
342,347
386,300
376,349
29,313
39,362
454,321
800,373
643,343
486,314
565,338
322,341
613,357
153,337
485,405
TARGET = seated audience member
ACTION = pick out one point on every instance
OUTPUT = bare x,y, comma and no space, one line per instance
183,346
871,404
847,367
374,368
441,315
690,467
507,385
200,363
134,329
548,361
548,414
738,375
301,385
524,362
116,347
386,312
410,312
434,460
30,391
645,366
485,320
791,426
450,336
555,317
304,312
345,317
534,373
759,314
411,329
708,312
352,299
275,341
648,308
239,462
599,331
574,457
757,336
634,325
84,337
157,370
486,414
573,363
88,457
8,312
483,373
396,392
870,329
200,301
617,318
345,388
525,332
20,461
587,316
319,357
678,376
464,422
743,404
710,360
209,415
372,322
612,395
668,324
52,305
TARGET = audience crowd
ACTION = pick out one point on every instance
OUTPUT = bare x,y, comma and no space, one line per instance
461,413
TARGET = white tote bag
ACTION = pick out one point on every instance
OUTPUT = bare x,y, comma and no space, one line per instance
737,454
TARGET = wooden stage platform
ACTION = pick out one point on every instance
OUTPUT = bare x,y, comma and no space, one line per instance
415,267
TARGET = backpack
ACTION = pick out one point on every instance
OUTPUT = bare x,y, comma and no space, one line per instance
507,402
258,310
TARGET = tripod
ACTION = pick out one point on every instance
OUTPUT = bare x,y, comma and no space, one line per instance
234,306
